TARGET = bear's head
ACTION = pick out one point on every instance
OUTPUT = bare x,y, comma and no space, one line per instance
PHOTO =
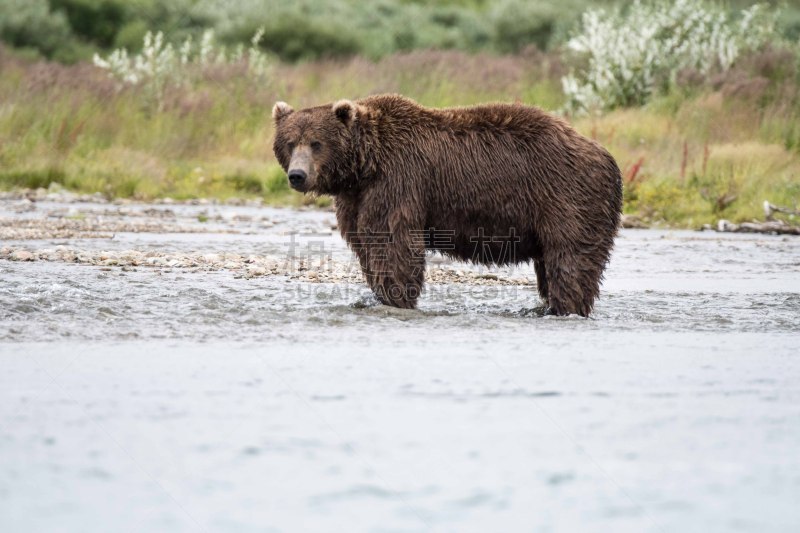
317,147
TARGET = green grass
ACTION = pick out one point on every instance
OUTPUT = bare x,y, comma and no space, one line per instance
705,152
267,181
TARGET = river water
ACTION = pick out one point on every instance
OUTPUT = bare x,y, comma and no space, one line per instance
166,398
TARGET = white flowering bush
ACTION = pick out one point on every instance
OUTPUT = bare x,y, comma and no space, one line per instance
630,55
160,64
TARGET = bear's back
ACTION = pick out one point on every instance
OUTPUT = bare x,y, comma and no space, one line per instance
491,117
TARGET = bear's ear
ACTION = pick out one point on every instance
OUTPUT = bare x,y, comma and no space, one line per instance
280,110
347,111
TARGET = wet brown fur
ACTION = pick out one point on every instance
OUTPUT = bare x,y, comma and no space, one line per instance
494,184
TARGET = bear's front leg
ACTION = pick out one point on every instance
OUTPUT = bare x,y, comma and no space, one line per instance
395,270
394,253
347,219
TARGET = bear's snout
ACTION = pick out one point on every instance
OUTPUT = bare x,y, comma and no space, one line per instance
301,169
297,179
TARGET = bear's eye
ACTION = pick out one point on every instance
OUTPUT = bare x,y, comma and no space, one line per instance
290,146
316,145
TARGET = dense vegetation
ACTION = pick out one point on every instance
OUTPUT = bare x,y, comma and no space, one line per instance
185,112
70,30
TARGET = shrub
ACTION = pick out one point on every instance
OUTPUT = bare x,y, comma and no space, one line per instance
518,24
131,35
97,21
160,65
71,30
293,30
31,24
790,23
292,38
302,30
629,56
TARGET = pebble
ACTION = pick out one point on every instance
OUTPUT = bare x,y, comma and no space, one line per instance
249,267
104,219
21,255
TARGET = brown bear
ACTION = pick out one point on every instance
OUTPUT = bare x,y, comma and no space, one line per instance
493,184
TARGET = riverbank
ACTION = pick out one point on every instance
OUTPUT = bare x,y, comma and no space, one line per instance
70,222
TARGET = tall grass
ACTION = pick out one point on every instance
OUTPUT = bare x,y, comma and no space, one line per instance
76,126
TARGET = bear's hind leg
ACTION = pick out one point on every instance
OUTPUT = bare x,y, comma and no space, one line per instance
573,282
541,279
